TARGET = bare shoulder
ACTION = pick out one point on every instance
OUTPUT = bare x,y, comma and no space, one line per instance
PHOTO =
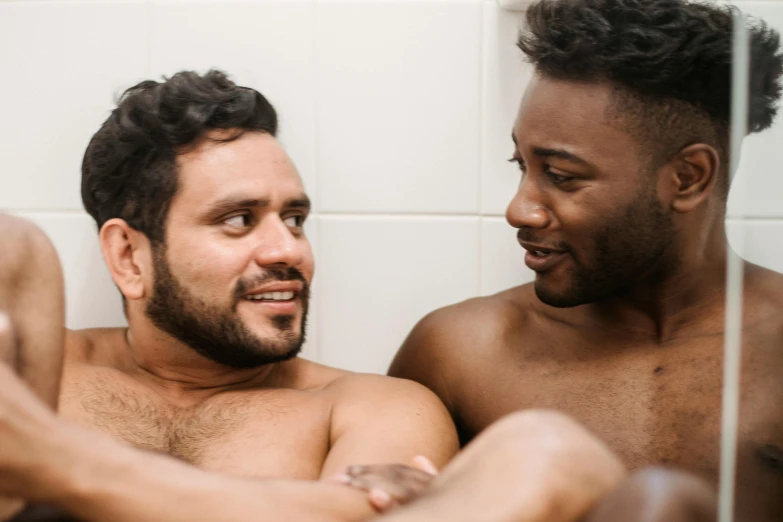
373,390
764,286
468,323
352,389
379,419
762,305
449,342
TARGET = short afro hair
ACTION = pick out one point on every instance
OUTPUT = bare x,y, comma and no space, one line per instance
129,169
670,61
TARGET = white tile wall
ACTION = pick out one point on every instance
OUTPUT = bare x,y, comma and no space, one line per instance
397,112
62,64
398,106
379,275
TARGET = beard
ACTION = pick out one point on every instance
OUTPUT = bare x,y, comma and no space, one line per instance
626,249
218,333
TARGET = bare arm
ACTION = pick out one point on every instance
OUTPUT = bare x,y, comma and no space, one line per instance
379,420
124,485
97,479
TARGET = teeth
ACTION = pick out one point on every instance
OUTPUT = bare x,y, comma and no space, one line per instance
540,253
272,296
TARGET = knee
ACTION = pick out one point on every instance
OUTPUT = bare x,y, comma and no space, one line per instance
24,248
658,495
535,421
27,259
557,436
555,444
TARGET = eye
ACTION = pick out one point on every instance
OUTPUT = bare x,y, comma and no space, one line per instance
294,221
520,162
238,221
558,179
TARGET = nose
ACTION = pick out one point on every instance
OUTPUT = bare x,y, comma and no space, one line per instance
277,245
528,208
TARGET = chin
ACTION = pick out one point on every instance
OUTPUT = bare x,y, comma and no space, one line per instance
557,297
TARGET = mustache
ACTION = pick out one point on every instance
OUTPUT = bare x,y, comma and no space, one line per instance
272,274
528,236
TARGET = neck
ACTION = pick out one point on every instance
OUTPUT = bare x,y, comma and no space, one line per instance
175,368
686,299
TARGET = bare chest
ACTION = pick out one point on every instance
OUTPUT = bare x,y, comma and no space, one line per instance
250,433
654,407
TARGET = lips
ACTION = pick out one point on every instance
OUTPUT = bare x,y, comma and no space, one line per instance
541,258
276,287
277,297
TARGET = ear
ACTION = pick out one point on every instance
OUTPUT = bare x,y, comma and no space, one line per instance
695,171
128,255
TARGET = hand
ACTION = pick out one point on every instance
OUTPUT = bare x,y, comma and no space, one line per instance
391,485
25,422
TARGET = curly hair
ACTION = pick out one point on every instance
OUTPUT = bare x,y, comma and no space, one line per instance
670,60
129,169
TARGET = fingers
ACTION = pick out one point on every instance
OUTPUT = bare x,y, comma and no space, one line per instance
381,500
424,464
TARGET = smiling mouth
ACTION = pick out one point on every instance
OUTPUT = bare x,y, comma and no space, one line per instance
272,297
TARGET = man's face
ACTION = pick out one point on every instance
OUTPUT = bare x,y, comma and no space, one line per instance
232,279
587,207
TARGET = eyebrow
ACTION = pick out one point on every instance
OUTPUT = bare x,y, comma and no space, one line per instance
232,203
545,152
559,153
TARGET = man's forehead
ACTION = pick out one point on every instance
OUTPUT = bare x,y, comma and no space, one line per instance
253,165
251,154
565,103
563,113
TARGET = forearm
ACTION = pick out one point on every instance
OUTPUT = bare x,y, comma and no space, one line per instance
119,484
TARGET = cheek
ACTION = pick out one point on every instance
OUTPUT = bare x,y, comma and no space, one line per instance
583,224
207,264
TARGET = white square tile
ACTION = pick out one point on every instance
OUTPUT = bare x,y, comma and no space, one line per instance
758,187
63,63
380,275
505,76
758,241
267,45
91,298
502,259
398,106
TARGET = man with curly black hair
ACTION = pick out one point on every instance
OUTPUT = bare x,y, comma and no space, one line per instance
622,140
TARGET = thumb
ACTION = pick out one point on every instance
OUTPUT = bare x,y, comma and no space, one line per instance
424,464
381,500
